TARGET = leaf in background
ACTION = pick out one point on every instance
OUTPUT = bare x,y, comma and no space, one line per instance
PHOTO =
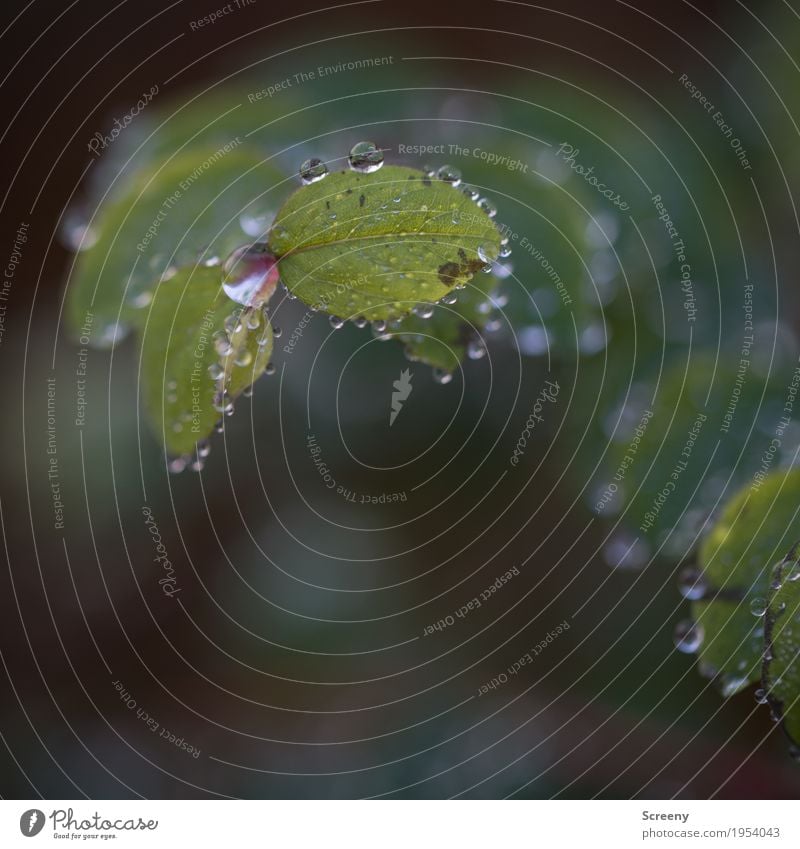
199,352
444,339
374,245
781,668
160,219
736,561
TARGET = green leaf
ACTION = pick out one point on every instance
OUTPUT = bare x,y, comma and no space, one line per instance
737,558
191,327
374,245
160,219
442,340
781,666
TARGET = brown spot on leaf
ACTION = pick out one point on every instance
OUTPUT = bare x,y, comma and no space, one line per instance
361,200
449,273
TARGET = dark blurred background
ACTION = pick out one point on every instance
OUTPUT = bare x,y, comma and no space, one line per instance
295,658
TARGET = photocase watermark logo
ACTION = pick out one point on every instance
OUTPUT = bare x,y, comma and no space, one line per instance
403,389
31,822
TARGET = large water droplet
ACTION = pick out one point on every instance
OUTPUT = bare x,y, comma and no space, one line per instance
758,606
365,157
313,170
250,275
450,298
688,636
336,322
424,311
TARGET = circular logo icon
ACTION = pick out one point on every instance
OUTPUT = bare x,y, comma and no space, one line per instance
31,822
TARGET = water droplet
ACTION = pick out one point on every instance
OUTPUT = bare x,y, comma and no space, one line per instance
450,298
761,696
493,325
169,272
203,448
233,324
688,636
476,349
442,376
336,322
253,319
244,358
276,331
365,157
360,322
250,275
450,175
482,256
533,340
379,325
75,233
505,252
215,371
248,391
211,261
223,403
270,369
488,207
758,607
177,465
424,311
140,300
222,344
255,225
472,194
691,583
313,170
197,464
731,684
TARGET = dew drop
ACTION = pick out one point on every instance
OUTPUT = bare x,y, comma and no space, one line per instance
76,234
761,696
276,331
365,157
472,194
450,298
215,371
177,465
488,207
223,403
691,583
476,349
248,392
336,322
424,311
203,448
442,376
313,170
253,320
758,607
379,325
244,358
360,322
140,300
250,275
688,636
222,344
449,174
270,369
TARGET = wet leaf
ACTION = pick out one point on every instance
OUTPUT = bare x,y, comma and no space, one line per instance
374,245
196,343
757,527
781,666
162,218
